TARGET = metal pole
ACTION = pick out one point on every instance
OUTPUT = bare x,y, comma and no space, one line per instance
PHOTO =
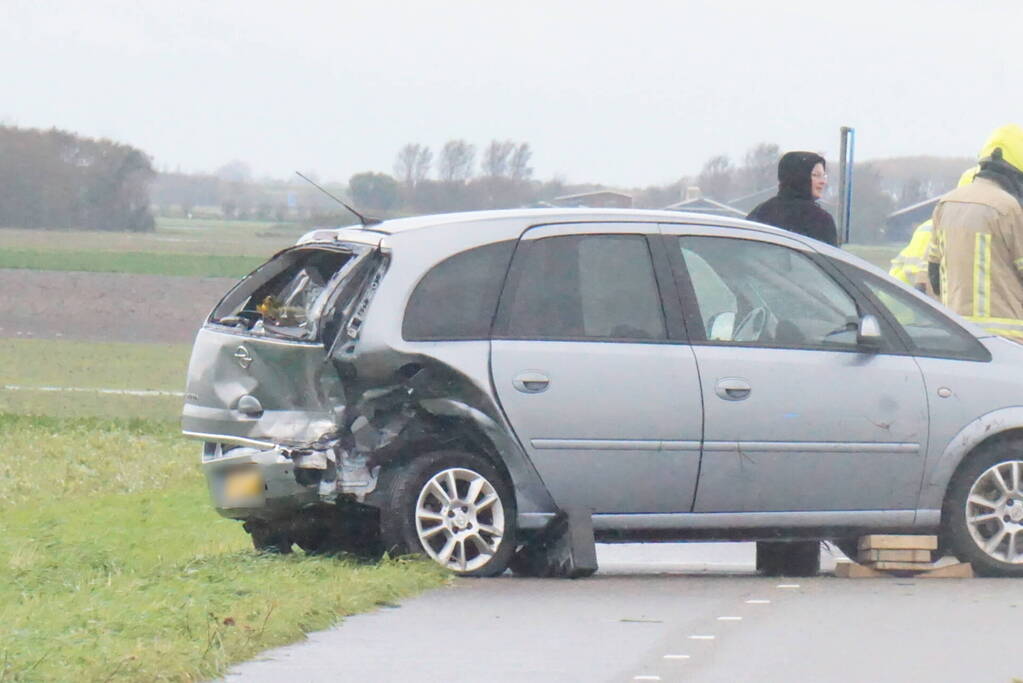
845,183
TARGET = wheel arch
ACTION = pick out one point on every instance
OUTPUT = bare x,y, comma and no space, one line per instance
985,431
456,424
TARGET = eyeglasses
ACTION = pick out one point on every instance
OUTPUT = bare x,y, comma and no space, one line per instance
822,176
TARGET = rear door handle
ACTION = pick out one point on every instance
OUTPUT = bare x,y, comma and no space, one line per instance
531,382
733,388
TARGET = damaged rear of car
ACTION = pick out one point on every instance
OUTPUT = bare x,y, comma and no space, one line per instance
330,420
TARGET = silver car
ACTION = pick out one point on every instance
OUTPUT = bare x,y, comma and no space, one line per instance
461,385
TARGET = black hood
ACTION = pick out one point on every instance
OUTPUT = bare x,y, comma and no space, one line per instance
794,170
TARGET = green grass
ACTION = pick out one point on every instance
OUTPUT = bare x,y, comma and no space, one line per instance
136,262
172,236
33,364
880,255
113,565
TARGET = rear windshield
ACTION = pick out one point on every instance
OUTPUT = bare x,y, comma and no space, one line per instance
285,296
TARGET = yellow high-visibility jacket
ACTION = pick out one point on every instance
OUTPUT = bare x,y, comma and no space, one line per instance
910,265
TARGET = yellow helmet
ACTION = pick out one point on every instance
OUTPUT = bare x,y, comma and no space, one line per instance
967,177
1009,139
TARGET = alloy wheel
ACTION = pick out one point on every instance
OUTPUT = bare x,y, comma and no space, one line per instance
459,519
994,512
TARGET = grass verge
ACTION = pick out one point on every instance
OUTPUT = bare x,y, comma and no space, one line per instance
34,365
135,262
113,565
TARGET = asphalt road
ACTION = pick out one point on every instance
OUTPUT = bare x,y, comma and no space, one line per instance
679,612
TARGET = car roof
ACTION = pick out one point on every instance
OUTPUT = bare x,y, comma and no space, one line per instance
509,223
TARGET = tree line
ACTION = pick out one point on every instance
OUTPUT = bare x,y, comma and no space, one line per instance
56,179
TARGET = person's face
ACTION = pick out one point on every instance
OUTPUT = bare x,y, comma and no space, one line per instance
818,181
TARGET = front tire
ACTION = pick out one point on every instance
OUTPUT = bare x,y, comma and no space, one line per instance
456,508
983,515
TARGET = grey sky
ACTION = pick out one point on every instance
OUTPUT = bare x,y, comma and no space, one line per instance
628,93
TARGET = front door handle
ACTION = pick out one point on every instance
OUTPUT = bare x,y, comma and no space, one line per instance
531,382
733,388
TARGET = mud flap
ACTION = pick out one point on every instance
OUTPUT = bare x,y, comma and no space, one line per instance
564,549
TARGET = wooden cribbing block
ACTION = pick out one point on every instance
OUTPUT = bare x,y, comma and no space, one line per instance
961,570
894,556
903,566
851,570
898,542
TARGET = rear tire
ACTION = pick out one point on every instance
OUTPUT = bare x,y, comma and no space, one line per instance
983,511
788,558
453,506
267,538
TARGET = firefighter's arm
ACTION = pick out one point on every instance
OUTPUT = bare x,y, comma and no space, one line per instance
934,275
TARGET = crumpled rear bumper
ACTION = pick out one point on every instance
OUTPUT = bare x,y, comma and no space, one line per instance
252,483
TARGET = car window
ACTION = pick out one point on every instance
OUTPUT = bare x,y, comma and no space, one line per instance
757,293
586,286
457,298
930,333
284,296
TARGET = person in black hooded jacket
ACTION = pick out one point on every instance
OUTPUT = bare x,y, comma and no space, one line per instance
801,182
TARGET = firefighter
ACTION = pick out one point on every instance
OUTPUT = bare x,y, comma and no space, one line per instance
910,265
976,253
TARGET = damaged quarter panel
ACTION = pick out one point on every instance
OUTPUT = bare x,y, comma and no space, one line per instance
451,378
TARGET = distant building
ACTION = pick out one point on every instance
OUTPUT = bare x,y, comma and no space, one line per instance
693,200
598,199
899,225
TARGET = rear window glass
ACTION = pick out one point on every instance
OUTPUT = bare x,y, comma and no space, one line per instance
457,298
284,296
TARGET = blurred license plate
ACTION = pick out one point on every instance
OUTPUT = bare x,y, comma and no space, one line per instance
243,484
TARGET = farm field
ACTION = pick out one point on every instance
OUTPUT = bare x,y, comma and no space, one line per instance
113,564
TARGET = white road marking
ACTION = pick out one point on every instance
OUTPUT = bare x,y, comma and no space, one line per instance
702,637
118,392
758,602
788,585
676,656
729,618
646,678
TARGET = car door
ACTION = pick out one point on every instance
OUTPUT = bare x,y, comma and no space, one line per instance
798,417
598,385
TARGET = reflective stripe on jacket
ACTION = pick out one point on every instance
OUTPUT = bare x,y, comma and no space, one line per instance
910,265
978,240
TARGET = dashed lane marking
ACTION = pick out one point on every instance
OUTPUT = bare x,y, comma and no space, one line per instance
646,678
788,585
758,602
676,656
729,618
702,637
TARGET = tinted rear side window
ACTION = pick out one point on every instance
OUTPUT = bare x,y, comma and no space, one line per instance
585,287
457,298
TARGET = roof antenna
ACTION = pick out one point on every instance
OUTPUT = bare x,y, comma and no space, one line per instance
365,220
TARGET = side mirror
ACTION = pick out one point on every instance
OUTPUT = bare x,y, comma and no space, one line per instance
869,333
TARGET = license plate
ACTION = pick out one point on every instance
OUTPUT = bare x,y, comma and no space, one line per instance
243,484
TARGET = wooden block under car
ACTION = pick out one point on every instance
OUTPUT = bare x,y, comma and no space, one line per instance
898,542
894,555
960,570
903,566
851,570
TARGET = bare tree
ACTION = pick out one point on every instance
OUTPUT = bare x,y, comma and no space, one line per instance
457,159
716,178
519,167
761,166
497,158
412,164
